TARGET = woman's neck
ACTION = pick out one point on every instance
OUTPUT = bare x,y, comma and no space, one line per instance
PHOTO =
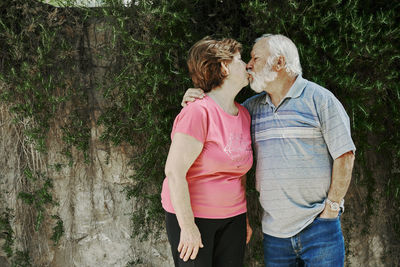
224,96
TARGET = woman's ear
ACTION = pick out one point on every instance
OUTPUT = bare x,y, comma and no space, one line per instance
224,69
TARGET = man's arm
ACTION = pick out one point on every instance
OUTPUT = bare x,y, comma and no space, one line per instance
341,176
191,95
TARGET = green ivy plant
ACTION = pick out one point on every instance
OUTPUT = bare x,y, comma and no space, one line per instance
6,232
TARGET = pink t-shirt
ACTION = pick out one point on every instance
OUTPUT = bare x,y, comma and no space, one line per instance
214,179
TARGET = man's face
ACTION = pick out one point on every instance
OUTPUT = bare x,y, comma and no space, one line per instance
260,70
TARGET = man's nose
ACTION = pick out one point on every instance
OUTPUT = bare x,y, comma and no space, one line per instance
249,65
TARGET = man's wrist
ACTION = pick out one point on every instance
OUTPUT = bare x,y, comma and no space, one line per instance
333,205
328,213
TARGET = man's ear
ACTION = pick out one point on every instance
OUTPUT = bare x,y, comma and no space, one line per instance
224,69
280,63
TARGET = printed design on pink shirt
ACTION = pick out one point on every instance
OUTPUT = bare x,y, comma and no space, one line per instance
237,148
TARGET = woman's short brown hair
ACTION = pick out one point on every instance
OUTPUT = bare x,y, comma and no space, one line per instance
205,59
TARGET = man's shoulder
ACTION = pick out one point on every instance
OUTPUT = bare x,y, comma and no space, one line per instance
322,97
318,92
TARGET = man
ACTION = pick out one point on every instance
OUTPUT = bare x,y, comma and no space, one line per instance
304,154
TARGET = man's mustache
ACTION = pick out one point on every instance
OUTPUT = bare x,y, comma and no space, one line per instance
251,72
253,75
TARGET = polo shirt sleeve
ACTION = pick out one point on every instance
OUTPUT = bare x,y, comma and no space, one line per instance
335,127
193,121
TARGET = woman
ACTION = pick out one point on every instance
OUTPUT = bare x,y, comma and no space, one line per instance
203,193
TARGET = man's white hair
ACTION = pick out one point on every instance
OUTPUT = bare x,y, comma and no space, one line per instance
280,45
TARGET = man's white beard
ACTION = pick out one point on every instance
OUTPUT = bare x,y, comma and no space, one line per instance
260,80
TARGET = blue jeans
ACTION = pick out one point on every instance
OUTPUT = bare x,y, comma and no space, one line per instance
320,244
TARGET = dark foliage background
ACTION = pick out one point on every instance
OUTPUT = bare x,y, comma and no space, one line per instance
350,47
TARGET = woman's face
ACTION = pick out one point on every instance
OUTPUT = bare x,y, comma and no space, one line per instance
237,70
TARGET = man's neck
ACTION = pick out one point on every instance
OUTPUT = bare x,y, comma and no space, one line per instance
279,88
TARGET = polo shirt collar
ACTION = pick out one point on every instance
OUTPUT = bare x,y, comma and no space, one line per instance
297,88
294,92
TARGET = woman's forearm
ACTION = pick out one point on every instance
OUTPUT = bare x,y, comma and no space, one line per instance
180,198
190,236
183,152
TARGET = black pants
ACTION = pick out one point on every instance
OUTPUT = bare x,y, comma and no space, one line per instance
224,241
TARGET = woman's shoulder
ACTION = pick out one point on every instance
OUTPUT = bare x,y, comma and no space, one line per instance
199,106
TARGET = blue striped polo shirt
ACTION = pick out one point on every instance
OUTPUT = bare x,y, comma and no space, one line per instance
295,144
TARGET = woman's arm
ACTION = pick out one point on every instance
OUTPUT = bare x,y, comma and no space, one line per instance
183,152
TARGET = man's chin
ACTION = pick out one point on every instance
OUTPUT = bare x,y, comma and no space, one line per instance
255,89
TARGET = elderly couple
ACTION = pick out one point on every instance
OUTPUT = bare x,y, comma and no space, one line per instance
303,151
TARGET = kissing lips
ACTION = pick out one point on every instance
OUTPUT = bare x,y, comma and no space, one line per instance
250,77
